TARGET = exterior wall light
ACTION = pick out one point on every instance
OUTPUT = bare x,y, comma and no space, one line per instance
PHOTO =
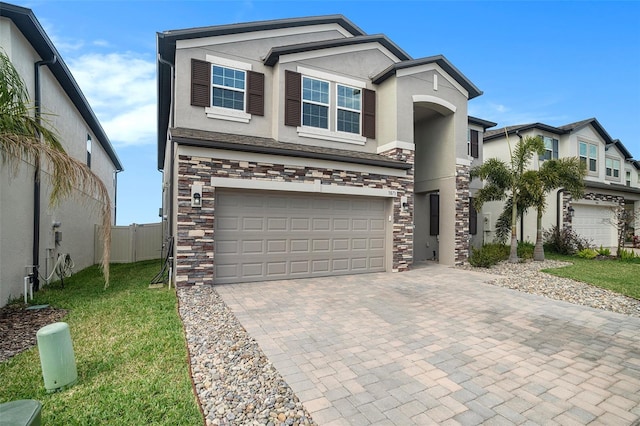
196,196
571,211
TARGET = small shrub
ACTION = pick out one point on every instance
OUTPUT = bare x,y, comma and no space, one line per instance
603,251
564,241
587,253
525,250
488,255
627,255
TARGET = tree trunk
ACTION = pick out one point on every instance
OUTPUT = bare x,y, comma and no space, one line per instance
538,251
513,254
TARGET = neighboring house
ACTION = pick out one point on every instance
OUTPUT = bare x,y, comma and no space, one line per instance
612,181
32,232
305,147
475,143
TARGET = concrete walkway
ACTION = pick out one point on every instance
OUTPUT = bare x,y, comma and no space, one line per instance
438,346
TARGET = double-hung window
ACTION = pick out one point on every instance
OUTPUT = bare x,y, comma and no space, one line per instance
589,156
628,177
612,168
550,148
228,87
315,103
349,99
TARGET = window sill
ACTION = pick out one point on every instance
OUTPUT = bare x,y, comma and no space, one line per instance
315,133
227,114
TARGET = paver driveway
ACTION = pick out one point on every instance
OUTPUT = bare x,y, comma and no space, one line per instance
438,346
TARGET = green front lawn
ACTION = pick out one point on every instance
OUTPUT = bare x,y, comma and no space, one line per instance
130,354
621,277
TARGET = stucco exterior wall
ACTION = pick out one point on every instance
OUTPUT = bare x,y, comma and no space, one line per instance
79,214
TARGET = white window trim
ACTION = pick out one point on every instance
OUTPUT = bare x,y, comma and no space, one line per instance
303,101
329,134
587,143
612,177
359,111
318,133
228,114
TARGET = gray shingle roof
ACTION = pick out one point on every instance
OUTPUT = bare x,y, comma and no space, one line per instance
234,142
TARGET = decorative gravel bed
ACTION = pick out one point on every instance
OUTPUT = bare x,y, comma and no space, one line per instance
235,382
528,278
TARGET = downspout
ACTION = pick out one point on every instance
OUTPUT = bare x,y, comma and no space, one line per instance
559,207
36,177
115,197
171,167
521,213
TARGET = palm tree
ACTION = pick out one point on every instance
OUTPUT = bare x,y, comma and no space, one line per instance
23,138
505,181
567,173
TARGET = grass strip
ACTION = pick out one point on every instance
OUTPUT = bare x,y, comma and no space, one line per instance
620,276
129,348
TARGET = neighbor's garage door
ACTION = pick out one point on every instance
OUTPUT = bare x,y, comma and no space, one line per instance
595,223
262,235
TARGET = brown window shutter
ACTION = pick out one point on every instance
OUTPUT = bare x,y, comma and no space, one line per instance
200,83
292,98
474,144
473,218
434,214
255,93
369,114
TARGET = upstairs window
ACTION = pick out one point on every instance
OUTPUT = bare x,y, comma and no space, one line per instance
228,88
550,148
628,178
89,151
349,100
612,168
329,107
315,103
473,148
589,156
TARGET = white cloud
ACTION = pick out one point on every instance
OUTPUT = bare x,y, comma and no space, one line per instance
504,115
120,87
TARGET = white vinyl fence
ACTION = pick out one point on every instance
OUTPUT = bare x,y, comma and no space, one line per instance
132,243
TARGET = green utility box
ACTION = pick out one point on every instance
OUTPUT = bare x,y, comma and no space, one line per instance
25,412
56,356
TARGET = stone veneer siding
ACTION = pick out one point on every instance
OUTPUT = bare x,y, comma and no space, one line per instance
195,257
462,213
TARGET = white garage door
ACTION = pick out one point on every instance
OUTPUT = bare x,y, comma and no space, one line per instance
263,235
596,224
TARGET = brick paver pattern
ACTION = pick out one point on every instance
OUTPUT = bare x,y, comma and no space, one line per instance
438,345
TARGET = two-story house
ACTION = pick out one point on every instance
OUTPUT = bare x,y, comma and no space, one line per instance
32,233
306,147
612,181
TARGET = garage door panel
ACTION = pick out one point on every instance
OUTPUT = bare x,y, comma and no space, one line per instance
376,262
300,267
267,235
300,224
277,224
225,223
276,246
359,264
376,243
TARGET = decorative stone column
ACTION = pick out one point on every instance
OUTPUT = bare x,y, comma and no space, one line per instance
463,180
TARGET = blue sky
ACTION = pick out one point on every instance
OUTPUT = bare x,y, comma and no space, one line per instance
549,62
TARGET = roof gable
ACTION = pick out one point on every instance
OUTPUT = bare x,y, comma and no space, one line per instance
275,53
441,61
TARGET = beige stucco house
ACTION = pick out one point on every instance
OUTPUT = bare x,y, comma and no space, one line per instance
305,147
612,181
32,232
